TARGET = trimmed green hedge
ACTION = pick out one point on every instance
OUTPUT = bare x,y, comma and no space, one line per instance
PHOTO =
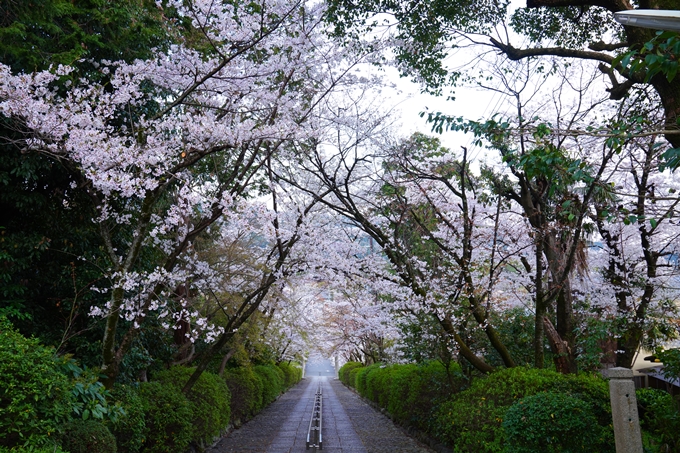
471,421
416,392
410,393
208,401
246,393
344,372
431,398
551,422
168,417
292,374
660,419
272,382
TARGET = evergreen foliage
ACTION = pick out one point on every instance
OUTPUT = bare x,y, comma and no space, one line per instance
208,400
129,429
246,393
272,382
87,436
35,396
168,417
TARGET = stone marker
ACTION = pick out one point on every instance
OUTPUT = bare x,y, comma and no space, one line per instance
624,410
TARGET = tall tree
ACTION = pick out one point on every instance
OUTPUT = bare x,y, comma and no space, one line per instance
165,146
49,244
568,29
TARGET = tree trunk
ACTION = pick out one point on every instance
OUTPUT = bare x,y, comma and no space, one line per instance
225,359
465,351
565,324
560,348
541,309
110,366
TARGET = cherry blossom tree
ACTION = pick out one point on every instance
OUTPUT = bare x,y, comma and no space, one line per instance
428,216
638,233
166,147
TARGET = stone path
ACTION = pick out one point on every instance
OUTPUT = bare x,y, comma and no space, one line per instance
349,425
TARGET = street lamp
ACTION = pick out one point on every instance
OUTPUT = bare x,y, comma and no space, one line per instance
658,19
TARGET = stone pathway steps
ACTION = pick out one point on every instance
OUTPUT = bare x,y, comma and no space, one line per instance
349,425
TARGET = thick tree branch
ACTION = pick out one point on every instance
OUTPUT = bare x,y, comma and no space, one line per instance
611,5
518,54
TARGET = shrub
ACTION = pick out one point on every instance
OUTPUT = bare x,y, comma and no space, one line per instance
343,374
417,391
208,400
246,393
168,418
551,422
128,429
35,397
471,421
660,418
259,388
403,378
671,362
292,374
90,397
272,382
87,436
378,385
361,383
353,374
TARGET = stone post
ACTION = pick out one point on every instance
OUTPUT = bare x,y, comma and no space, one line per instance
624,410
304,366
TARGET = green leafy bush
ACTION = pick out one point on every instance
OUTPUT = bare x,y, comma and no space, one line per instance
90,397
208,399
129,429
551,422
87,436
272,382
361,380
403,378
35,397
259,387
471,421
246,393
378,383
418,390
671,362
168,418
353,376
292,374
660,418
343,374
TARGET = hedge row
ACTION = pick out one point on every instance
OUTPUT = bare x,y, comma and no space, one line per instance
512,410
171,421
48,403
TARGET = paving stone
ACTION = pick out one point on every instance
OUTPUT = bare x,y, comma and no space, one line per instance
349,425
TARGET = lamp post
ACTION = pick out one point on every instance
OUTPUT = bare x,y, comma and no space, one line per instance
658,19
